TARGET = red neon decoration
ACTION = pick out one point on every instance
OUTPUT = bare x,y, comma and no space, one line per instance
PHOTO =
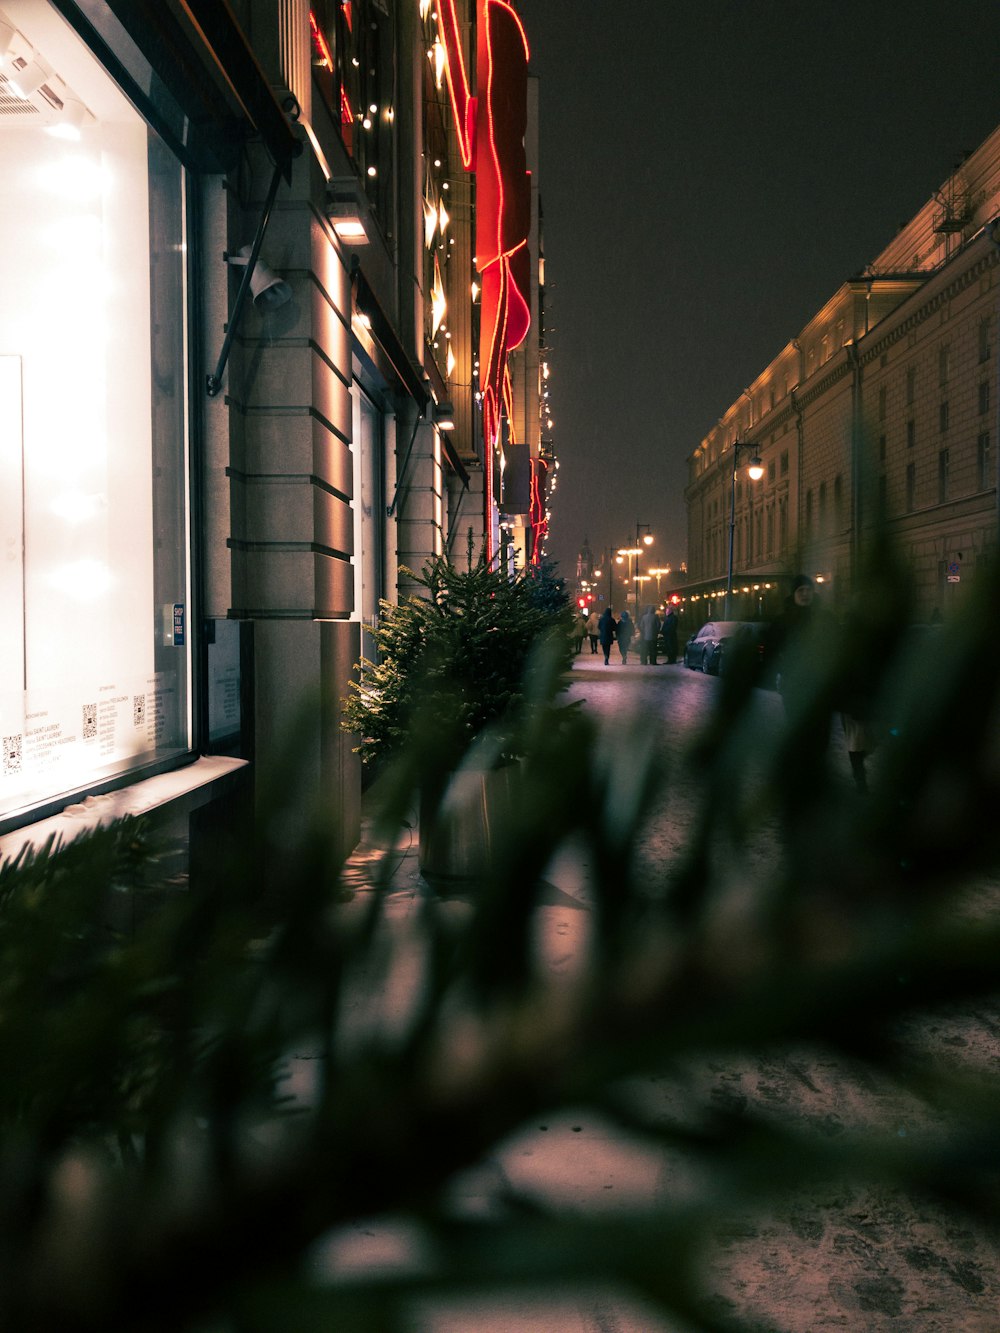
491,129
539,523
320,42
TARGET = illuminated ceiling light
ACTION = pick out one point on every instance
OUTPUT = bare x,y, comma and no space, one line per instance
7,34
444,415
26,80
70,122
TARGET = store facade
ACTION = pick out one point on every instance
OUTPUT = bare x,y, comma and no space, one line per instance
104,697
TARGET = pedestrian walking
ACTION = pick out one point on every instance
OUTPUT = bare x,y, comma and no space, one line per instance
607,631
649,629
670,635
593,630
625,631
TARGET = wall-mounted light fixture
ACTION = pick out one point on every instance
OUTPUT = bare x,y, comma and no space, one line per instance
347,209
444,415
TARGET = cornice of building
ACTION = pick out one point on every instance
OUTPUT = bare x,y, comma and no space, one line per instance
880,339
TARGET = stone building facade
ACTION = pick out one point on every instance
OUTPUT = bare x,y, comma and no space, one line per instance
879,417
258,403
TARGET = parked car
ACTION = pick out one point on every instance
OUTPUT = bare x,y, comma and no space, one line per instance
711,649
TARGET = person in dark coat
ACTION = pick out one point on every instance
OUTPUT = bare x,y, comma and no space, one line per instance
625,631
607,629
670,635
649,630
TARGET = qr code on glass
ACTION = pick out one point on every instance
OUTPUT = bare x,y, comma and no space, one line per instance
12,754
138,710
89,721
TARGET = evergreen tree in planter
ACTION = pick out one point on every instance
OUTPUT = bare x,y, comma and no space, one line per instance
453,670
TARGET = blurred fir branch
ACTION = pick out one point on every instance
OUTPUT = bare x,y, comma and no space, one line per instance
164,1167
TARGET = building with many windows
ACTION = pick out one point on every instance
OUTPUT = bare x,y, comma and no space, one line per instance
241,378
879,415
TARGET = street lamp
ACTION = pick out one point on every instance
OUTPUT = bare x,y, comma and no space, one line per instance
629,553
755,470
647,540
658,574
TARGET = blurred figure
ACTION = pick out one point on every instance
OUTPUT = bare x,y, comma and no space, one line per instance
670,635
608,629
593,629
579,629
799,640
625,631
649,629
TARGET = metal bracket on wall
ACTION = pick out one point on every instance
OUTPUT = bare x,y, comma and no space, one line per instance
214,381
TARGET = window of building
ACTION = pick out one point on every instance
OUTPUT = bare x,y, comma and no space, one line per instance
782,524
883,495
984,465
943,464
770,529
984,340
354,72
881,403
911,386
944,363
881,448
95,649
822,509
984,397
770,474
911,486
911,433
943,414
783,462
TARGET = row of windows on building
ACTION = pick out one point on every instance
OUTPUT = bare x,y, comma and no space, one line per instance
823,510
944,374
944,416
984,479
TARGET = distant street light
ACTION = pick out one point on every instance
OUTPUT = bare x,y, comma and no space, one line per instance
755,470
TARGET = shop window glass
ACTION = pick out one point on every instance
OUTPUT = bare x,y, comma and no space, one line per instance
94,579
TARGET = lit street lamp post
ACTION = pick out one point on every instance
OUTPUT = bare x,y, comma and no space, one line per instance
658,574
755,470
647,540
635,551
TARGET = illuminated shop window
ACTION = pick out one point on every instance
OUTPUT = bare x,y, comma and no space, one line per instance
94,577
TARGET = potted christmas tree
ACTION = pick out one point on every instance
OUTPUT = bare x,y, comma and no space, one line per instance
452,681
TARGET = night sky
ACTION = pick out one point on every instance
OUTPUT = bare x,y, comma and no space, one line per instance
710,174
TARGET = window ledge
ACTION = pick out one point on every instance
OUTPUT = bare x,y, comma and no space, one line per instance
182,789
